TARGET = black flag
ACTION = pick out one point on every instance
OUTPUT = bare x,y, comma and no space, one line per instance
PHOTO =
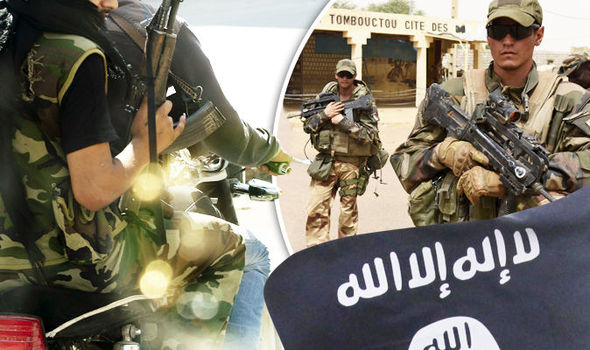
516,282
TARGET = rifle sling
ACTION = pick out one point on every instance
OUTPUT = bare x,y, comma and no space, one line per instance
139,39
201,123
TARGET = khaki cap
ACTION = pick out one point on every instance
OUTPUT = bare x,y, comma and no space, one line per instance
346,65
525,12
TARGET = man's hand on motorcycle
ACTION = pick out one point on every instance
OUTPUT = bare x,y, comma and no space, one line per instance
459,156
477,182
280,164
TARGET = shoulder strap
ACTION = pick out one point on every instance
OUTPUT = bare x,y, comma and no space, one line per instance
331,86
129,29
474,85
546,87
139,39
541,105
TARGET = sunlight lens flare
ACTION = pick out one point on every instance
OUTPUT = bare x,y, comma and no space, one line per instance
156,278
197,305
147,187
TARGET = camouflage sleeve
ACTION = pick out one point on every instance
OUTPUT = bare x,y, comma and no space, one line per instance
314,123
365,130
412,160
568,171
569,168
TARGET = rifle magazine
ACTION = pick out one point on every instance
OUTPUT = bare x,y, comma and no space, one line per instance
199,125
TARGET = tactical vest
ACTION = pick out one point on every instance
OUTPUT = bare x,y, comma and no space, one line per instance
64,230
542,100
437,201
331,139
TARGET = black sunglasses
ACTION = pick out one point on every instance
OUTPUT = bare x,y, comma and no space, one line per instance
516,31
345,74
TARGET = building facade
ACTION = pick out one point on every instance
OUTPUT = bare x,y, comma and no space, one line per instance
397,55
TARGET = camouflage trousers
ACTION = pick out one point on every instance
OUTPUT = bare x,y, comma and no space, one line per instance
317,227
199,268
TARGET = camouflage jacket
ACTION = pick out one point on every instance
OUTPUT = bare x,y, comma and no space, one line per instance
433,195
63,229
348,138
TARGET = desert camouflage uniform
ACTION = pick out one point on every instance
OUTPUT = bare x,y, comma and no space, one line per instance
427,185
105,250
349,145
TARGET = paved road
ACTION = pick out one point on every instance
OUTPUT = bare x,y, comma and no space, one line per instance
385,211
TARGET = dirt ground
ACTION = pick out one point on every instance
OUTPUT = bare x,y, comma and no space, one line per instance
382,207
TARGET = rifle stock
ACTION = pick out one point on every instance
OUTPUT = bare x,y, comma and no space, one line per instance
519,159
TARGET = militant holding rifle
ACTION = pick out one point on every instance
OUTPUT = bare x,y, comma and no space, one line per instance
313,107
518,158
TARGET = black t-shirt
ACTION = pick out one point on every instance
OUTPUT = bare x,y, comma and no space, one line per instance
84,113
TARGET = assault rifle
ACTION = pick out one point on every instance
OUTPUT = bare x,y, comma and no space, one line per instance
519,159
159,48
316,106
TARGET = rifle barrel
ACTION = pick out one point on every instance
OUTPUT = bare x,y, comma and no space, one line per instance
172,17
541,190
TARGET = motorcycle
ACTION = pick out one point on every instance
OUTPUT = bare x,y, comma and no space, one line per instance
39,317
76,320
211,183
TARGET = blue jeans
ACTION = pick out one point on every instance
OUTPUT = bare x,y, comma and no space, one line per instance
243,329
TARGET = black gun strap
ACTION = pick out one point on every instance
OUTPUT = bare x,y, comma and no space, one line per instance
128,28
154,166
139,39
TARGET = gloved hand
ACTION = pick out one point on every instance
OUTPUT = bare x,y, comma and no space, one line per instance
459,156
477,182
279,164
